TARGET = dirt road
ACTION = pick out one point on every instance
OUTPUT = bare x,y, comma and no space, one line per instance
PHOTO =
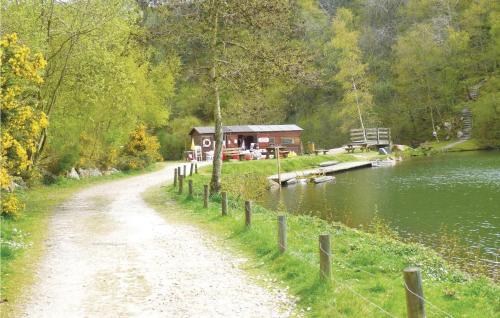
110,255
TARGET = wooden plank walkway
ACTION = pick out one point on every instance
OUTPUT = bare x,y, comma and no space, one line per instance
343,166
328,163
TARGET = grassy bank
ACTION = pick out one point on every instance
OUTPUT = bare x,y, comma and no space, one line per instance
249,178
22,238
269,167
441,146
367,267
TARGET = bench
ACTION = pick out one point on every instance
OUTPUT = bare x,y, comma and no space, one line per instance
318,151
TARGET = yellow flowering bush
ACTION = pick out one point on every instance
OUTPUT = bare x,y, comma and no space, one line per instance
141,150
11,206
22,122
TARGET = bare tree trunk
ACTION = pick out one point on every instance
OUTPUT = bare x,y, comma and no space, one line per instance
215,184
359,108
429,100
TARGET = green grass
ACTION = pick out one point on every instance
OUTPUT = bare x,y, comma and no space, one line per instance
22,238
269,167
363,264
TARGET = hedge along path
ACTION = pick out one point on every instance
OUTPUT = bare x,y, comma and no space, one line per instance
109,254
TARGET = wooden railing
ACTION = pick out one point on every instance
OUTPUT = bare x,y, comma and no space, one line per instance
372,136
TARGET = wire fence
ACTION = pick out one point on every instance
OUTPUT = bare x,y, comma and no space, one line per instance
426,301
366,300
261,216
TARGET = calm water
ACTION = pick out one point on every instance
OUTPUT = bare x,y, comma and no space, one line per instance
417,197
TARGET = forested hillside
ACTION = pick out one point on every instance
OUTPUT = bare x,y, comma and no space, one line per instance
111,66
416,65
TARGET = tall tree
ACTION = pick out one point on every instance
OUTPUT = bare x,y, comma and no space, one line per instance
236,46
428,73
352,72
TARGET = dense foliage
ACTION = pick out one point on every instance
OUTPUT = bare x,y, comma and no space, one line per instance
99,82
415,64
93,79
326,65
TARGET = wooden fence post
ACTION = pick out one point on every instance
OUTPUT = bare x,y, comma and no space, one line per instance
205,196
415,304
248,213
190,186
184,174
181,181
277,155
224,203
196,168
324,257
175,177
191,169
282,233
179,172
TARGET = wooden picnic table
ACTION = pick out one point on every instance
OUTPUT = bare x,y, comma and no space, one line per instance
283,153
363,146
229,153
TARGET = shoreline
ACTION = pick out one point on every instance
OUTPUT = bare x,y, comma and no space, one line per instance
377,254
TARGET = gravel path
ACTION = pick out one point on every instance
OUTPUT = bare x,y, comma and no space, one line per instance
109,254
453,144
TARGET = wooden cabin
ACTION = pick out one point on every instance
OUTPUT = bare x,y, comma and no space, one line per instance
248,137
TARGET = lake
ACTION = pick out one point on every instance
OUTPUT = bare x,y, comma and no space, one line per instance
421,198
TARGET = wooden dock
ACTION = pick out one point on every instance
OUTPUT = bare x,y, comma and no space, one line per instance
328,163
343,166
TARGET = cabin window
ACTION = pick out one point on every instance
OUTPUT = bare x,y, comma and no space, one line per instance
286,140
271,140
